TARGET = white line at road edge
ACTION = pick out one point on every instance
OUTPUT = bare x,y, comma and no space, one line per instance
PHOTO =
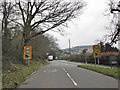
31,74
70,77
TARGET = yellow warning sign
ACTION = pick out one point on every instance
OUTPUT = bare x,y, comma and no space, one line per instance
96,51
27,52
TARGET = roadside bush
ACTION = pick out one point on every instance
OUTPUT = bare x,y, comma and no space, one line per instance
64,58
75,57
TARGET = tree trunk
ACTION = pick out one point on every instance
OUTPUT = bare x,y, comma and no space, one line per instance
25,42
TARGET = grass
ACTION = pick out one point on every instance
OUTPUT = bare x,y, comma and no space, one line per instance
0,85
0,79
107,71
12,79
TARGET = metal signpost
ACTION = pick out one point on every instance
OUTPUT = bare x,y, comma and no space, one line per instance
28,54
96,52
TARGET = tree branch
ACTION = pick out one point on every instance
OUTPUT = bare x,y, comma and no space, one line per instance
22,12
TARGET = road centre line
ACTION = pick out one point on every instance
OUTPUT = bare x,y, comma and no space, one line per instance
50,70
70,77
64,70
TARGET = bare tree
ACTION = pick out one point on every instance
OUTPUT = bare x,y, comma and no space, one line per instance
7,26
46,45
114,8
6,10
35,18
41,16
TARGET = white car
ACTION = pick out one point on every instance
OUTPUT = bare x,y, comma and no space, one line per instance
50,57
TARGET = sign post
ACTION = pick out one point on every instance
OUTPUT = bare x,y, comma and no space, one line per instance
96,53
95,61
27,54
98,61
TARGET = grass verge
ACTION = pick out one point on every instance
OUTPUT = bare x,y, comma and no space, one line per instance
113,72
0,79
12,79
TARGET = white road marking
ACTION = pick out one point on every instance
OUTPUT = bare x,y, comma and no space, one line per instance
44,71
64,70
55,70
50,70
70,77
31,75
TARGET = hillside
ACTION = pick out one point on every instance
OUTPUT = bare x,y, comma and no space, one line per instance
78,49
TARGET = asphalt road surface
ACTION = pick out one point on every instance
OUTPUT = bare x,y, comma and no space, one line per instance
63,74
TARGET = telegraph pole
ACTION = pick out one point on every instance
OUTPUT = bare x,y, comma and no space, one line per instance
69,49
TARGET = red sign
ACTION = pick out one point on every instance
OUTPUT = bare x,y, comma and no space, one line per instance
109,54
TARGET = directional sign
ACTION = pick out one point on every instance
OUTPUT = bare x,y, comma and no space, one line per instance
27,52
96,51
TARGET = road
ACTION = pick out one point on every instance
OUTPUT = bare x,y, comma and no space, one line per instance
63,74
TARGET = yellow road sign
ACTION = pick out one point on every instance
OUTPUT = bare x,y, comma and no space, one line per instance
27,52
96,51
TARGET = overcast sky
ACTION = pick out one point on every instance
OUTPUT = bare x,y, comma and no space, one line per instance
88,27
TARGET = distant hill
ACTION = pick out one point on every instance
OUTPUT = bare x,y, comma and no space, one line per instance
78,49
